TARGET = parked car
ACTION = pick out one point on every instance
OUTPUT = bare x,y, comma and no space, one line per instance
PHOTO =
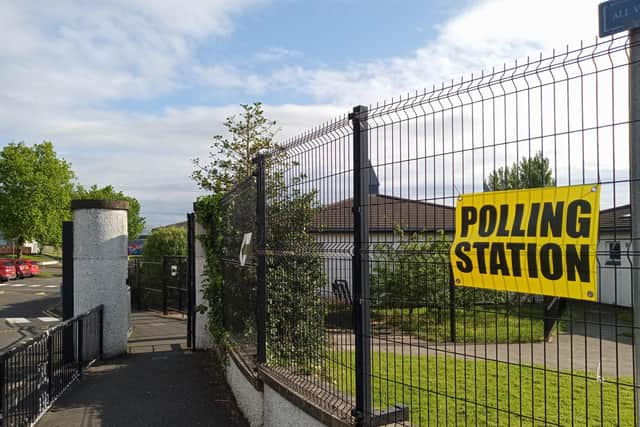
22,268
7,270
34,268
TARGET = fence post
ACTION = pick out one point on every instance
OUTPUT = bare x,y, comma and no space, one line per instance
634,175
261,268
452,305
3,392
50,368
360,265
67,288
137,285
164,285
80,342
101,320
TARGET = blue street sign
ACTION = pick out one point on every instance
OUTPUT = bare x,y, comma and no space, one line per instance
618,15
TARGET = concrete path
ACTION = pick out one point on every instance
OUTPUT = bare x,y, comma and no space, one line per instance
160,383
597,343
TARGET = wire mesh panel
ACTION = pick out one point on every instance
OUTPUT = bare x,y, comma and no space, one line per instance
308,256
364,310
463,355
240,274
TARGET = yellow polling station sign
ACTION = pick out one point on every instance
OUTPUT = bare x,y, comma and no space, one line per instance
537,241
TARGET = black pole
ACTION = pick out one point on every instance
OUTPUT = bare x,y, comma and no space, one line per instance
452,305
3,392
67,288
261,268
190,279
80,343
360,265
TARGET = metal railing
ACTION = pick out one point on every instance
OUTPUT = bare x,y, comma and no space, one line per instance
36,372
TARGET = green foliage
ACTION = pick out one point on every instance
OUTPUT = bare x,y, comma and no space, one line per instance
35,193
135,222
531,172
165,241
414,273
294,278
240,282
210,213
230,158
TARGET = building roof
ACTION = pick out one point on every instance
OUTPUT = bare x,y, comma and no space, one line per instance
616,219
387,212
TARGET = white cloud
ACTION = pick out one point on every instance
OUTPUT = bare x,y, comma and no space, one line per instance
490,34
64,64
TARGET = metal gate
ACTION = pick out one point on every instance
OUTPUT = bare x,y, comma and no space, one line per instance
159,285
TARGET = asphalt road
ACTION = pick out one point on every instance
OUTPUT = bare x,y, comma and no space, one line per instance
23,308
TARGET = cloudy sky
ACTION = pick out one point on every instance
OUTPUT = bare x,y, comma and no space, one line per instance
130,91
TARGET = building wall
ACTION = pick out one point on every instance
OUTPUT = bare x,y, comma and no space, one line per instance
337,248
614,276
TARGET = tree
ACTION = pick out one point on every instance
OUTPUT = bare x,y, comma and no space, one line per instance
231,158
35,193
165,241
530,172
135,222
296,311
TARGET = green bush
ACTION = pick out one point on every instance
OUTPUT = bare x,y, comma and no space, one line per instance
415,273
169,241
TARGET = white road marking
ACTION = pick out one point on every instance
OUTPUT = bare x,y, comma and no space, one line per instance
3,284
48,319
35,286
16,320
18,285
51,286
41,293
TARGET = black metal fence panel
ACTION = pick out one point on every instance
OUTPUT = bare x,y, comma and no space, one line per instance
159,285
35,373
363,315
239,275
309,245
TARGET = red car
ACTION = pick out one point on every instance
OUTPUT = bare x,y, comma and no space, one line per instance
22,268
34,268
7,270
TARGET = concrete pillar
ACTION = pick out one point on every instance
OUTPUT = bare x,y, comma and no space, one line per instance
203,340
100,267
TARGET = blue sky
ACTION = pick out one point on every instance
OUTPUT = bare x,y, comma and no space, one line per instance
130,90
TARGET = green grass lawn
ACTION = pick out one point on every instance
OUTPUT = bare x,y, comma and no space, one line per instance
491,324
449,391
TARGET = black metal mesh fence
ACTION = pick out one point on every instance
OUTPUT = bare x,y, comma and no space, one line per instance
362,309
239,288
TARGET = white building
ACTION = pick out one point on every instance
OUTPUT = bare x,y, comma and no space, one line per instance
614,256
7,247
334,227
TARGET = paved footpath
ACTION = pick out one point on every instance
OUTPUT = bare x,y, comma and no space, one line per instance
159,383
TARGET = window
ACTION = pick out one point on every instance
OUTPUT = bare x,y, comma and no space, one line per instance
614,253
